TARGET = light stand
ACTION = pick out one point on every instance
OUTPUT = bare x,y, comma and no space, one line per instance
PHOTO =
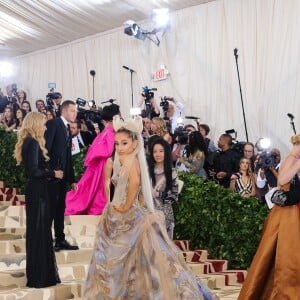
292,122
131,85
93,73
237,67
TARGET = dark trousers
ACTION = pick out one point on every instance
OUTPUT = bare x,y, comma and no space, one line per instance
57,194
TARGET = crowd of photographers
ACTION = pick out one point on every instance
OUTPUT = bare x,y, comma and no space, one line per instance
243,167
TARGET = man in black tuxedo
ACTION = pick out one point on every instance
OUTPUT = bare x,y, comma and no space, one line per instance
85,138
58,143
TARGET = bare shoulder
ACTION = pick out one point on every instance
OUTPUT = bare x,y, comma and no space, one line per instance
134,168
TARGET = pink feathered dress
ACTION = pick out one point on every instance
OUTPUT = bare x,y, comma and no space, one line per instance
89,198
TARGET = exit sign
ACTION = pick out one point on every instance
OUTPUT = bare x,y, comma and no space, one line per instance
160,74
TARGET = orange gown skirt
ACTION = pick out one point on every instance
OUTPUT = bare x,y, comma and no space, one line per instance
274,273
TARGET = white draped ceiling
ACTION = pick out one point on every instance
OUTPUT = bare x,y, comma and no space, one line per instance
198,53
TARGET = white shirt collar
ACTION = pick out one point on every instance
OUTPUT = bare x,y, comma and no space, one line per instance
65,121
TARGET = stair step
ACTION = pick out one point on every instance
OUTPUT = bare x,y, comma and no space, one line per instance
8,191
229,292
12,221
18,261
214,281
19,219
12,262
18,245
82,219
10,210
12,233
67,272
80,230
64,291
78,272
195,255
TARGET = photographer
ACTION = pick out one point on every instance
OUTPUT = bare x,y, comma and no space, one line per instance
175,110
10,99
149,102
40,106
197,153
180,146
53,101
268,167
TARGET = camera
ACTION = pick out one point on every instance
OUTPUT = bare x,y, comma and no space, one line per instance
181,135
50,97
14,90
80,102
164,103
267,159
147,93
91,117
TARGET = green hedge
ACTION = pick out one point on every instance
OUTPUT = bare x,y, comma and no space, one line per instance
212,217
10,173
13,175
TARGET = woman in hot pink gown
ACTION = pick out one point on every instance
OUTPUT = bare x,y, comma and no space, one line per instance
89,197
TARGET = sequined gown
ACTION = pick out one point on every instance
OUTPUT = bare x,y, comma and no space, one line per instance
135,259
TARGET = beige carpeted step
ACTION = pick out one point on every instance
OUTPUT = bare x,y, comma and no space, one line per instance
80,230
195,255
18,245
82,220
12,233
229,292
11,279
8,210
64,291
12,221
10,262
214,281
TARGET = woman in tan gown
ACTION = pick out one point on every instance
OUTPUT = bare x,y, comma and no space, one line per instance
133,256
274,273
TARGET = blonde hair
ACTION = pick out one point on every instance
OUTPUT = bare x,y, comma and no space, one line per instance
32,126
249,171
295,139
161,126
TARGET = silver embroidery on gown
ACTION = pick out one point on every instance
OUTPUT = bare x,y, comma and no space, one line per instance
135,259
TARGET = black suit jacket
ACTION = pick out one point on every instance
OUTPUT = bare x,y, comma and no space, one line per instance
58,144
87,137
3,103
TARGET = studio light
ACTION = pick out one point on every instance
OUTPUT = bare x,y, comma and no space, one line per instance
5,69
134,30
263,144
135,111
160,18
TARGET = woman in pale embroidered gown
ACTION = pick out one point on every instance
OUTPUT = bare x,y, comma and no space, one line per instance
133,256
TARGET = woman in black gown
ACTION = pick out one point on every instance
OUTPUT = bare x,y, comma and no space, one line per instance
41,268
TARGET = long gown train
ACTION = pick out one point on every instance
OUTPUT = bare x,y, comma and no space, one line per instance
135,259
